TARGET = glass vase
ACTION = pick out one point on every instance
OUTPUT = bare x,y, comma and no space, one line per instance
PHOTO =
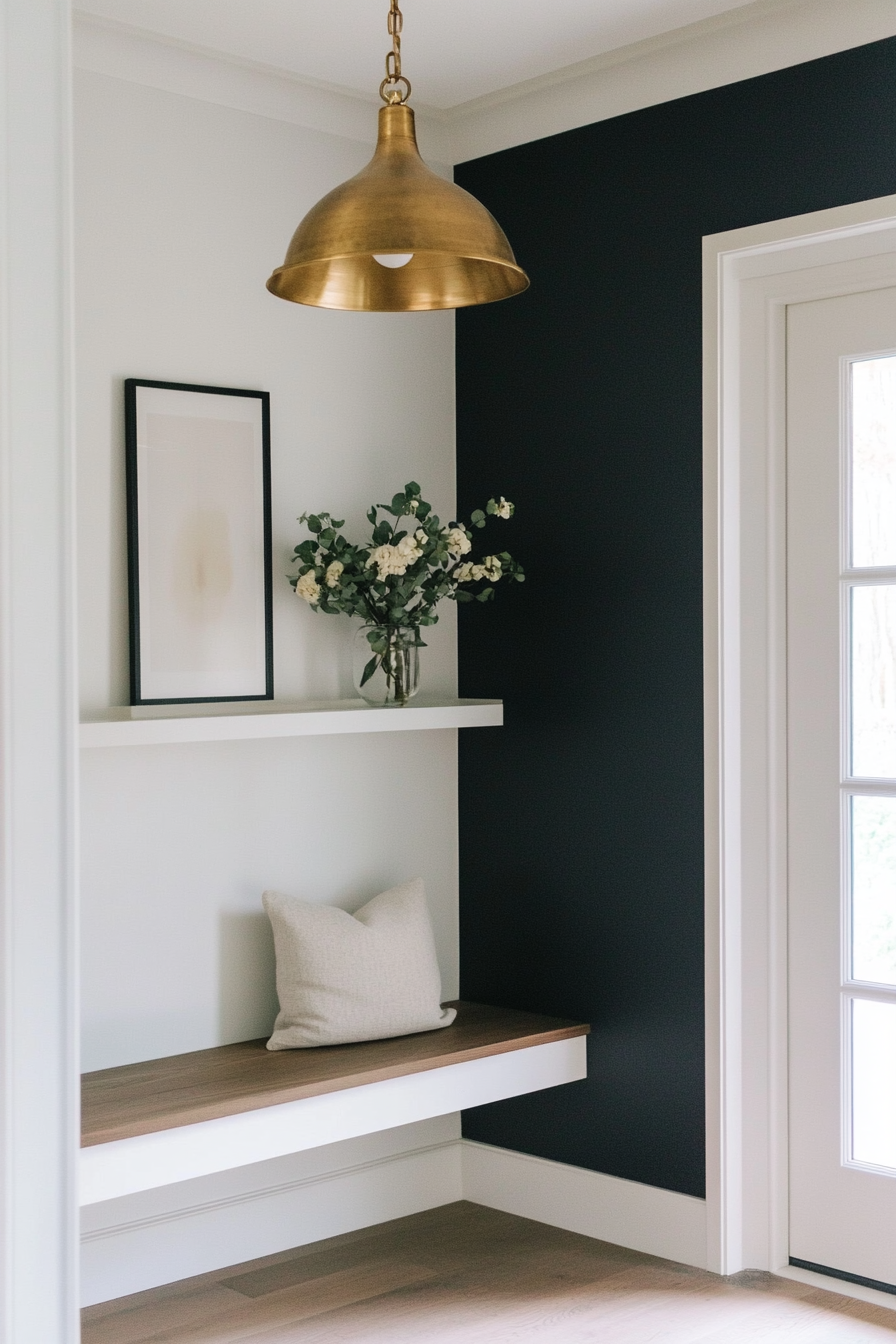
387,664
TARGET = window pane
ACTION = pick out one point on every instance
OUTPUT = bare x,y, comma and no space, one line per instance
874,461
874,1083
874,890
873,639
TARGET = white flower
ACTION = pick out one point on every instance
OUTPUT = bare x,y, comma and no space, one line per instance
308,587
504,508
477,572
409,550
413,506
492,566
421,536
458,541
463,573
388,560
334,573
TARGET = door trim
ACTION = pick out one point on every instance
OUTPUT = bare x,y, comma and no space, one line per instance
750,275
38,684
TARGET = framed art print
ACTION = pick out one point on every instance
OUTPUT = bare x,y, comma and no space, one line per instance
199,543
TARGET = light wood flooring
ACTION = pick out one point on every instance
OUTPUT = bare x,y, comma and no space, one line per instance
469,1275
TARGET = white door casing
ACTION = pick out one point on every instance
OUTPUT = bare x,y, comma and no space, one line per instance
38,719
750,276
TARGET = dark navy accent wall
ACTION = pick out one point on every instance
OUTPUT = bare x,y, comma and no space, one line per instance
581,820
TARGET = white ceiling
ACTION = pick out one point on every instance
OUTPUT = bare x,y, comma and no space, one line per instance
453,50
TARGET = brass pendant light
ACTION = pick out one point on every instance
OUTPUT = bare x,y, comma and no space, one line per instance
397,238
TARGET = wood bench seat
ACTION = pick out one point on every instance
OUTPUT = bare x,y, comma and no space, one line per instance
147,1124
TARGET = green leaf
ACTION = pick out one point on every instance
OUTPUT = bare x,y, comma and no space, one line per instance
412,488
314,523
369,669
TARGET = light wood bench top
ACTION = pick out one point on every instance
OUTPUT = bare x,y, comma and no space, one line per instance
163,1094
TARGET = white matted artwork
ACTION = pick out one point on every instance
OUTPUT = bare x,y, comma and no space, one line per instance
199,542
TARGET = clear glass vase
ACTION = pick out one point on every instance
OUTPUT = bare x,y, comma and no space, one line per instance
387,664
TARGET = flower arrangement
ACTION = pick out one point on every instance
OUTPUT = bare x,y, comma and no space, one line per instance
396,581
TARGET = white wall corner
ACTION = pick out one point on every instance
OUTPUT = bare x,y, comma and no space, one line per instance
122,52
626,1213
752,40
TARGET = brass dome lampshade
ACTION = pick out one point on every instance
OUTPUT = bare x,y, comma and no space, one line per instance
397,238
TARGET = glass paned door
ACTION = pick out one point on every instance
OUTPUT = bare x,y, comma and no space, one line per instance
868,524
841,746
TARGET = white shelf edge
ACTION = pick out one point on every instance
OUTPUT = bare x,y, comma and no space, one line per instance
219,723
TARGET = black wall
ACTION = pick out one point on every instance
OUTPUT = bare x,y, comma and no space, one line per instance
581,819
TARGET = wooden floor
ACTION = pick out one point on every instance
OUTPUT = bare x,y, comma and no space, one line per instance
468,1275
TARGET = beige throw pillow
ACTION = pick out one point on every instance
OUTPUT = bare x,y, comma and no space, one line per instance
357,977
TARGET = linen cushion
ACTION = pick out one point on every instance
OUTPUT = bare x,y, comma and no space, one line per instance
357,977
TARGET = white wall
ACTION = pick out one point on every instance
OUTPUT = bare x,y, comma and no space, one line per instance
183,208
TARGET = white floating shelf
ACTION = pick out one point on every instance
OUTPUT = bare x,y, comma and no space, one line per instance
149,725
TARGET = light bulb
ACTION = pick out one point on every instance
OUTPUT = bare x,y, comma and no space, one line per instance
393,259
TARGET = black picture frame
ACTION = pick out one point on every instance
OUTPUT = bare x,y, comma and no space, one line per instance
200,592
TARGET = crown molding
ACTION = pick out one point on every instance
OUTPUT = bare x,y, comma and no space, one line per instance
633,51
752,40
742,43
121,51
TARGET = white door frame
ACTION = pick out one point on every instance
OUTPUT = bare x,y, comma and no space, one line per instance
38,711
750,275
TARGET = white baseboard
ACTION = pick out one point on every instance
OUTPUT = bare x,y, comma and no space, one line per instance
195,1227
642,1217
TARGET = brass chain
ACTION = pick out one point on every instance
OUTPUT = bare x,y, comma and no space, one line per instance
394,77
